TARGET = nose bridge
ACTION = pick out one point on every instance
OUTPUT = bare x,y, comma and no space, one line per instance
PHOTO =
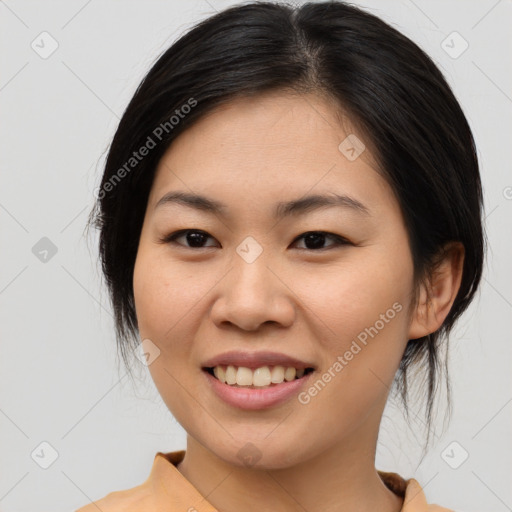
252,294
251,279
250,268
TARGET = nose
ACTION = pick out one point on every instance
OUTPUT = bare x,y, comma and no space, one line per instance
253,294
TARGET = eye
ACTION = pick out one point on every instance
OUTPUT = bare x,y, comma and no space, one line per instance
194,237
315,239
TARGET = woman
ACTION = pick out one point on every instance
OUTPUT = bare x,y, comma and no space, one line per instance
291,221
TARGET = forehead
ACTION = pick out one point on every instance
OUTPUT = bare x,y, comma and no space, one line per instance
269,145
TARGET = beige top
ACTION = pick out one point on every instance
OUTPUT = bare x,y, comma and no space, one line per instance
167,490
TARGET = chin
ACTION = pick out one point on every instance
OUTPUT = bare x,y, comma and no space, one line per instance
259,453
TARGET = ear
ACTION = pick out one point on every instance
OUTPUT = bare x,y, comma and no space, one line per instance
437,295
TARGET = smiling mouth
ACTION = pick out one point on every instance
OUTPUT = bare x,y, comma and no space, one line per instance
262,377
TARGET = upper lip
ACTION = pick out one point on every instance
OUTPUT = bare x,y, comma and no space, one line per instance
255,360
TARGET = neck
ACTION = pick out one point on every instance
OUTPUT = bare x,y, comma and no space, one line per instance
341,478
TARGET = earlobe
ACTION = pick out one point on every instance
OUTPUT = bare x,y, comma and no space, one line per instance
436,297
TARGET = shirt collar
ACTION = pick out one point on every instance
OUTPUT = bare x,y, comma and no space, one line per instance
171,489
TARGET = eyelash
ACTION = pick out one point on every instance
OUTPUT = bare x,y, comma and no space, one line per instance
339,240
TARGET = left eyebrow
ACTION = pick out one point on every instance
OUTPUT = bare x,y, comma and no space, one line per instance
315,202
282,209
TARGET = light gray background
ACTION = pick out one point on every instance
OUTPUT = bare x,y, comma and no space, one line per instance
60,378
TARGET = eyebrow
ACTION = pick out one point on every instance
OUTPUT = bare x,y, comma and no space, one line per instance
282,209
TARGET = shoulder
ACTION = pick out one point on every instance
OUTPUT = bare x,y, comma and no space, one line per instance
136,499
163,483
415,501
411,492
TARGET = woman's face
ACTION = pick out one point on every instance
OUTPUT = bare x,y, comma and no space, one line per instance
249,291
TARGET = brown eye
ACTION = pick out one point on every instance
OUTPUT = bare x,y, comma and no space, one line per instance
314,240
196,239
193,237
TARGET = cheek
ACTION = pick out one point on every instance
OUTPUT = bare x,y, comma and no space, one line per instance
363,308
163,294
353,295
359,362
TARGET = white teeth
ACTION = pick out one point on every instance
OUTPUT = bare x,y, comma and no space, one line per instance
277,375
230,375
261,377
244,376
290,373
220,373
258,377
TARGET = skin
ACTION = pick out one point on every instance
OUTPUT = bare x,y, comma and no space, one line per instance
195,303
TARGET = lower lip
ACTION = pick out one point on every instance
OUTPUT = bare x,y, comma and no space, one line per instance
254,398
